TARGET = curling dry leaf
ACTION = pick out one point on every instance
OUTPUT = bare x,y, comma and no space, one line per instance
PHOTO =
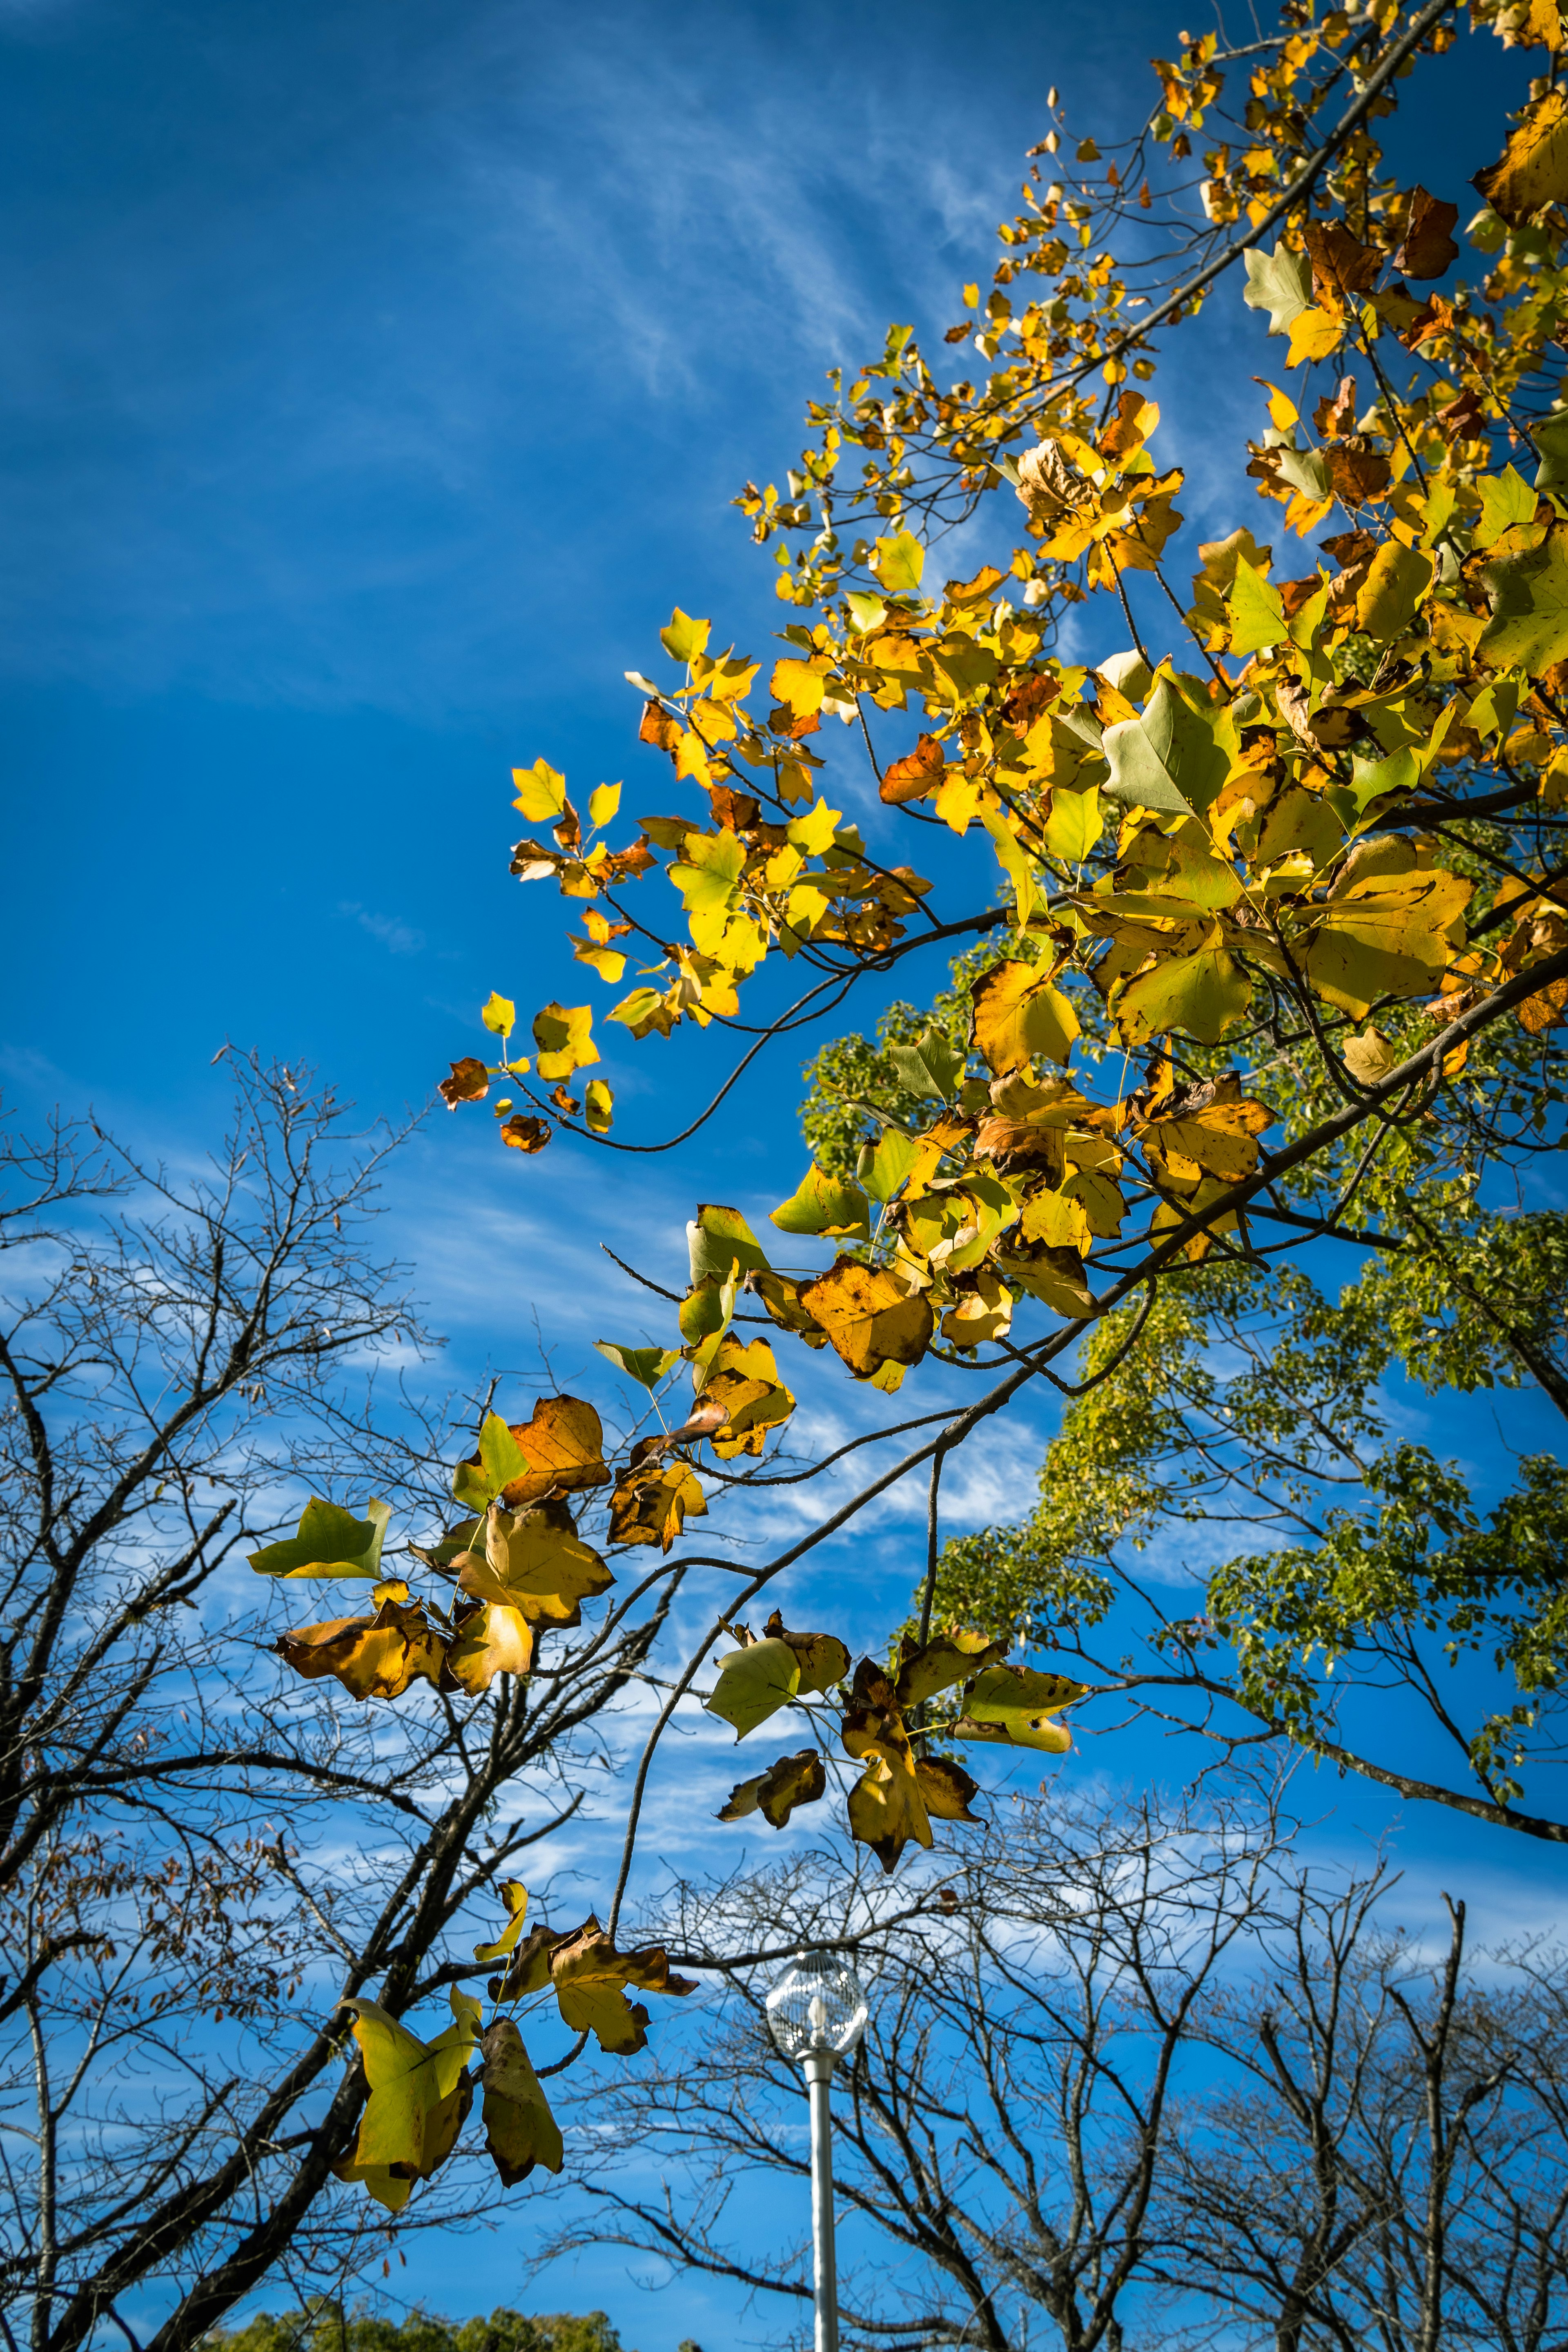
520,2130
653,1498
373,1657
590,1979
792,1781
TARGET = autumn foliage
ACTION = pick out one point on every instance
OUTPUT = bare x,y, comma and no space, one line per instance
1272,884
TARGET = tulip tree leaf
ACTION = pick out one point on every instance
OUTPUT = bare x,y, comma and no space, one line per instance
799,1779
330,1542
755,1683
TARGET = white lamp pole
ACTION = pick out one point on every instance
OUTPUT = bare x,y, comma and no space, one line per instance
816,2014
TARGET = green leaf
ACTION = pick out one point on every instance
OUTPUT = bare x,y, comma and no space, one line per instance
1014,864
898,563
883,1165
1015,1705
1073,824
821,1204
1505,501
1201,993
1528,627
330,1542
1174,759
501,1459
1551,440
754,1684
714,863
720,1243
866,612
1256,612
645,1365
931,1067
684,637
1306,470
1279,283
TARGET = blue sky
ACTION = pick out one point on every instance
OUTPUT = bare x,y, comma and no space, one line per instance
375,378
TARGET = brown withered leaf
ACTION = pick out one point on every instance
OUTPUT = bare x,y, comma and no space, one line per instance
870,1318
1463,419
1013,1143
660,728
373,1657
1330,727
792,1781
653,1498
1358,472
520,2130
526,1134
469,1082
893,1800
1428,249
1047,485
917,773
1342,266
590,1980
1334,415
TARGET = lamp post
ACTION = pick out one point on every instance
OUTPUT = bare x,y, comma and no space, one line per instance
816,2014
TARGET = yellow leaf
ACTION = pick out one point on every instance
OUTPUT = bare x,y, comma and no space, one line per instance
798,687
1201,993
419,2095
822,1204
590,1978
1314,336
1015,1705
1532,169
599,1105
491,1640
814,832
1013,861
499,1014
540,791
561,1034
604,801
373,1657
514,1895
1016,1013
1386,599
533,1562
870,1320
899,563
1073,824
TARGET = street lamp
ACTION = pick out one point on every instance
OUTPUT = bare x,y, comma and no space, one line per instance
818,2013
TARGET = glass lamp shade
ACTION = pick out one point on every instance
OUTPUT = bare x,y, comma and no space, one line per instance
820,2004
